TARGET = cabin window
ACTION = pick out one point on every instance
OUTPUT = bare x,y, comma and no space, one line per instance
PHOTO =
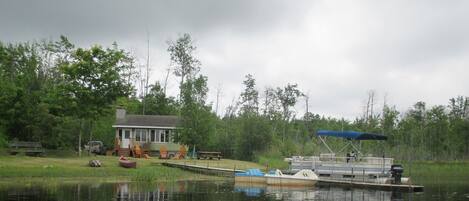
144,136
157,135
162,136
152,135
141,135
166,138
173,135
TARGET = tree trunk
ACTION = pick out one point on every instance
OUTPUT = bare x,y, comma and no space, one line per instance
79,137
91,135
180,87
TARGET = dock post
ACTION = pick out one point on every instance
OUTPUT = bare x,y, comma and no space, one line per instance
363,174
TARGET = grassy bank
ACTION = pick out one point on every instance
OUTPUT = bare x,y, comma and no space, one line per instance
26,168
76,168
437,171
272,162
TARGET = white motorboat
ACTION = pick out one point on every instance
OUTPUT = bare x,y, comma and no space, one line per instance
301,178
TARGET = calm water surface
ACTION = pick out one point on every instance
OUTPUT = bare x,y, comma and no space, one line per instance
218,190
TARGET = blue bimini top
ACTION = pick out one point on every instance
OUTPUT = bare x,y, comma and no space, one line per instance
250,173
352,135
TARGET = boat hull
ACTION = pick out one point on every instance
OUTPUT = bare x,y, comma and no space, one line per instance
251,179
128,164
289,181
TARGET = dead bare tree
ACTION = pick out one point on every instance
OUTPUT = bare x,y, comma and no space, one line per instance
166,79
147,74
219,93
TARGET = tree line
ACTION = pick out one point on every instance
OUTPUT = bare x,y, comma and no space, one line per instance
63,96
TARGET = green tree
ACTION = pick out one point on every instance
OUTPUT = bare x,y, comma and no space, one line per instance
459,125
389,123
437,131
93,80
182,58
249,97
271,104
197,118
288,97
157,103
23,113
254,136
255,131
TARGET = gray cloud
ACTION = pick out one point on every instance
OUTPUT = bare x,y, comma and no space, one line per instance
89,20
335,50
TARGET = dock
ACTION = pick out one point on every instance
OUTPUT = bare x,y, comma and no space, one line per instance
369,185
322,182
204,169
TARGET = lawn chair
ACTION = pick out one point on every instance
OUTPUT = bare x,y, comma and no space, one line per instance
137,151
164,152
181,154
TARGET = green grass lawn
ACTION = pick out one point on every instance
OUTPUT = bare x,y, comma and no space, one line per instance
68,167
24,167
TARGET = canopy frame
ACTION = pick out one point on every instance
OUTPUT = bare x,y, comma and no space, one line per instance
350,136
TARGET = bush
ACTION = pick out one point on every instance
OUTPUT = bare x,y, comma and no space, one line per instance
272,161
3,139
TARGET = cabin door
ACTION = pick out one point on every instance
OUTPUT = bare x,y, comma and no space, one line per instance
126,138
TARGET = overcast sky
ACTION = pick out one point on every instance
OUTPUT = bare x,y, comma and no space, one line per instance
336,51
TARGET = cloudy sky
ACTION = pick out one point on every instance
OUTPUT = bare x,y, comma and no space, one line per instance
336,51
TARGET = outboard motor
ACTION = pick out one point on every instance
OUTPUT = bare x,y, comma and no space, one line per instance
396,173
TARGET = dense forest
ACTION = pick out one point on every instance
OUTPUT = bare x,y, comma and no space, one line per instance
63,96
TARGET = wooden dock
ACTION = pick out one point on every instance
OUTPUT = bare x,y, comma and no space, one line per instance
369,185
204,169
322,182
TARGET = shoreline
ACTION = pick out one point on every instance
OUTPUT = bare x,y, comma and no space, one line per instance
76,169
68,180
25,168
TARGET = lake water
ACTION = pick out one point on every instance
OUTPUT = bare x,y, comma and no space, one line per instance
217,190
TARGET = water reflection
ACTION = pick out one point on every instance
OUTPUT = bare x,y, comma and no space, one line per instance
250,189
151,192
316,193
181,190
213,190
276,192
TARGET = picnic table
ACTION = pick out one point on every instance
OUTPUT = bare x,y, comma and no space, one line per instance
208,155
28,148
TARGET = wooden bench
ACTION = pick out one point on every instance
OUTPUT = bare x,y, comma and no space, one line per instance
208,155
28,148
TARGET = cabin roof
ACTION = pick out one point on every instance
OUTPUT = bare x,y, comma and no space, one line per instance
148,121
